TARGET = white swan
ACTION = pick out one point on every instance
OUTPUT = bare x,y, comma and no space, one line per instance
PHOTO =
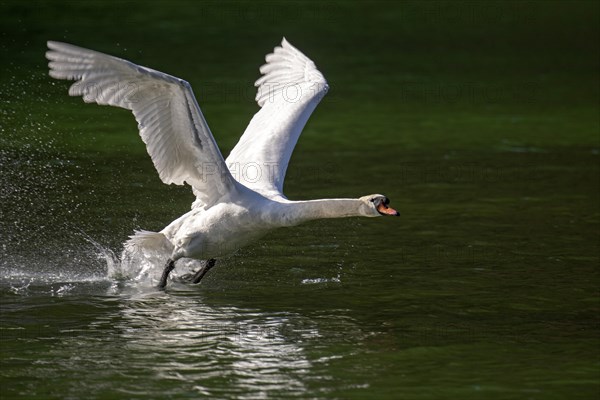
238,199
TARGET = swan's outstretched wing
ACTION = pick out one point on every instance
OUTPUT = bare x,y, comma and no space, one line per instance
288,92
171,124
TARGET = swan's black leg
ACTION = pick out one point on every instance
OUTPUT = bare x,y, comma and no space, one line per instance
203,270
165,275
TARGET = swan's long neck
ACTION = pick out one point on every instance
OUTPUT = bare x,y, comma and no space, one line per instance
296,212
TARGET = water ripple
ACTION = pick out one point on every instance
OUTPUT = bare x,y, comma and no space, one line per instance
146,341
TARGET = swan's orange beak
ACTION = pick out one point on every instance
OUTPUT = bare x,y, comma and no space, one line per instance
385,210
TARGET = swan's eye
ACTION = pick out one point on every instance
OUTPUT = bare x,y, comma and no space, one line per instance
372,200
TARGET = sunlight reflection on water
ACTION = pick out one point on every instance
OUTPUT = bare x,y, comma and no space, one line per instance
245,347
147,341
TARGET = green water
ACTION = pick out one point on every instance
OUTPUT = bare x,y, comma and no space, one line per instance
478,120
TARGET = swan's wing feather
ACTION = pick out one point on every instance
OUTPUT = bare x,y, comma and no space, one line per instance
288,91
170,122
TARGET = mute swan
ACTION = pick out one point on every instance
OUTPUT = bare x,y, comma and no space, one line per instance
238,199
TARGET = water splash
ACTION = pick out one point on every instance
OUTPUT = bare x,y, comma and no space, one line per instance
50,195
333,279
105,254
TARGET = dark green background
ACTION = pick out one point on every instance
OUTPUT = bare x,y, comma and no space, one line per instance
480,120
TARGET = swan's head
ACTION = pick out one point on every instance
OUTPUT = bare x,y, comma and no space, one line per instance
376,205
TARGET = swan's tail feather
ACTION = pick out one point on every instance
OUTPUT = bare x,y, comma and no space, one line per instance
143,256
147,241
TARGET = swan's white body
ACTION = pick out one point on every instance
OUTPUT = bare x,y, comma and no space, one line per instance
238,199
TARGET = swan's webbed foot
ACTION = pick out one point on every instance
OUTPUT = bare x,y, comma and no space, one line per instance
165,275
197,276
202,271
